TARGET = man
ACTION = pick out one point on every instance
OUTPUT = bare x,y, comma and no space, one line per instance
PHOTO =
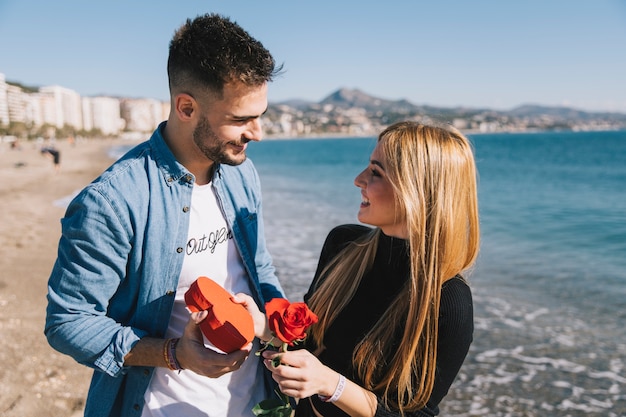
184,204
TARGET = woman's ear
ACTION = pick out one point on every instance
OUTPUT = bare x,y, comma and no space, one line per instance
185,106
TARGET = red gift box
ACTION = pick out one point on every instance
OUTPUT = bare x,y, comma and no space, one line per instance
228,326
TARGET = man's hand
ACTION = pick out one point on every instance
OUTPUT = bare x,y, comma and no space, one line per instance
193,355
190,352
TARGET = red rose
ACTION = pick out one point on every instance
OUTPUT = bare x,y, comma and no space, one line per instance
289,321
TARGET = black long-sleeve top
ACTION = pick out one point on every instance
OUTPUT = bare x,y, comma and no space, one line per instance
376,292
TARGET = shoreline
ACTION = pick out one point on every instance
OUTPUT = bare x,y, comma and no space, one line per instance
37,380
463,131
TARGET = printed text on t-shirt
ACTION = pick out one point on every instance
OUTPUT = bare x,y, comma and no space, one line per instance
210,242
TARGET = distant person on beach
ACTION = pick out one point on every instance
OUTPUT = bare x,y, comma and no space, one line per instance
16,145
184,204
395,313
53,153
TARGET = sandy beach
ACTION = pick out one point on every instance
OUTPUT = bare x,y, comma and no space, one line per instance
35,380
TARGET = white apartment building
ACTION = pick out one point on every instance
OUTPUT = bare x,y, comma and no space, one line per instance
16,103
105,114
59,106
87,114
142,115
67,105
42,110
4,102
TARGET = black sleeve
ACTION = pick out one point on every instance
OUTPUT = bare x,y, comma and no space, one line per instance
456,328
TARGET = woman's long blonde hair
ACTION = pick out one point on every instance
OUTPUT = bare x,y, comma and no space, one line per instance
433,173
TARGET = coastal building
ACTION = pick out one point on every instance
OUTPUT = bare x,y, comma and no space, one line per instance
142,115
104,114
67,106
4,104
17,102
22,111
60,108
36,109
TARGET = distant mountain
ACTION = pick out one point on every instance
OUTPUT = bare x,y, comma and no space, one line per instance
336,114
345,97
355,98
567,113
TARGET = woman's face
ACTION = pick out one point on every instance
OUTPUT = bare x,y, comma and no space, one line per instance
378,205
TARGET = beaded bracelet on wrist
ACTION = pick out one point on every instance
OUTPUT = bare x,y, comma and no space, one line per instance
169,354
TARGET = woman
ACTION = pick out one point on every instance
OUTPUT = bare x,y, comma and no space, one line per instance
395,315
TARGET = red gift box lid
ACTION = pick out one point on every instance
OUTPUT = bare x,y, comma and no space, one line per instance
228,325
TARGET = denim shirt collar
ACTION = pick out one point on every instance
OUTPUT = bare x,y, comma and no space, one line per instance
172,170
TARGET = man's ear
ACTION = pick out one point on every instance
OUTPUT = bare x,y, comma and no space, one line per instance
185,106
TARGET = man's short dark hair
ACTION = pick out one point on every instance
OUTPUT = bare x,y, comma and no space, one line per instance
211,50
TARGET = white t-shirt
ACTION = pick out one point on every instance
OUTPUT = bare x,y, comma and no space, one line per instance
210,252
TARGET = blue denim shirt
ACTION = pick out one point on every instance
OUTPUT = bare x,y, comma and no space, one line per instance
120,256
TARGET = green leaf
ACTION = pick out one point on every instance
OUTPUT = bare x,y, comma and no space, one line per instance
272,408
276,361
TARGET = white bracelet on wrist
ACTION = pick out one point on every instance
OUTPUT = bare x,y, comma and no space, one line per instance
338,391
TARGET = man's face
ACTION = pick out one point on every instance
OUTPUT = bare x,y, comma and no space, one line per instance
227,124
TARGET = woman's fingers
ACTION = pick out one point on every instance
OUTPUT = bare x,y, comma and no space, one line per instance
294,358
298,373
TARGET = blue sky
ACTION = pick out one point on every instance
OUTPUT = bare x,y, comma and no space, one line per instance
482,53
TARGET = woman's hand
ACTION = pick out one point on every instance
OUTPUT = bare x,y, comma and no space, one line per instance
261,327
299,374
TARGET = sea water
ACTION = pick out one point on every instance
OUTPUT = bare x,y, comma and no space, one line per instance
549,285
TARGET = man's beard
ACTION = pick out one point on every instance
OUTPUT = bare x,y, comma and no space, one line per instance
212,147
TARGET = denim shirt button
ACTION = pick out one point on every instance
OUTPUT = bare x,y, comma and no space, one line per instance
136,407
179,250
170,179
185,209
170,292
146,372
